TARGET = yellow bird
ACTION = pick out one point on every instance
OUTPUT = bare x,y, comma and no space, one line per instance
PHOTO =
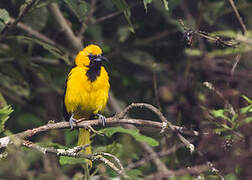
86,91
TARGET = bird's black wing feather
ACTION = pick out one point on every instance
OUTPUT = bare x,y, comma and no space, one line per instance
65,113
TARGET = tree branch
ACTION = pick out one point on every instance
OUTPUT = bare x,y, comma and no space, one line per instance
244,29
75,152
161,167
5,141
152,156
83,123
87,20
20,16
38,35
63,25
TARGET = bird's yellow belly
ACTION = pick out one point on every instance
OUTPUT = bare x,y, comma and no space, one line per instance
83,97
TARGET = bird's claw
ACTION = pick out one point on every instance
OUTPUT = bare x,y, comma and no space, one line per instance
102,119
72,121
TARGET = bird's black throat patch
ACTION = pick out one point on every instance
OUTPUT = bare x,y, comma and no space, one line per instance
94,70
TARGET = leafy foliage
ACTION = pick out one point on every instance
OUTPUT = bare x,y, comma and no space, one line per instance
4,116
4,18
234,119
123,6
52,49
79,8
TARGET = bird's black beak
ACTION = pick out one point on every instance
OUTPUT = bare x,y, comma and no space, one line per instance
100,59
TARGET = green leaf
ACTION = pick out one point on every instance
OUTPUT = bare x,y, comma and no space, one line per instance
64,160
146,2
133,132
247,99
225,126
4,18
123,6
193,52
248,119
243,48
37,18
2,101
220,114
166,4
4,116
246,109
52,49
123,33
79,8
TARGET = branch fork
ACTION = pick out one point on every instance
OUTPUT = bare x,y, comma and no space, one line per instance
118,119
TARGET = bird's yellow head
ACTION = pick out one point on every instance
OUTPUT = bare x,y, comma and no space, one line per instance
91,53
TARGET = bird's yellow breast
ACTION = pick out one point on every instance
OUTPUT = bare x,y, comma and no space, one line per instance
84,97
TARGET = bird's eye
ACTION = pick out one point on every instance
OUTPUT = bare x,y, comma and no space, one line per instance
91,56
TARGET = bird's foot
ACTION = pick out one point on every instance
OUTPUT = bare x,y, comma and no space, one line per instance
72,120
102,119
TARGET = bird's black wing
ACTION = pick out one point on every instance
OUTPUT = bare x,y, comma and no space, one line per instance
65,113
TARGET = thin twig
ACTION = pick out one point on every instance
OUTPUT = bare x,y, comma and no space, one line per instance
244,29
237,59
37,34
5,141
103,18
146,159
166,123
158,163
144,105
227,104
122,171
33,32
20,16
60,152
94,131
75,152
219,40
117,119
161,167
87,20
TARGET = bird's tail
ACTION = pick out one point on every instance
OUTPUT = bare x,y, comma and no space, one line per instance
84,138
